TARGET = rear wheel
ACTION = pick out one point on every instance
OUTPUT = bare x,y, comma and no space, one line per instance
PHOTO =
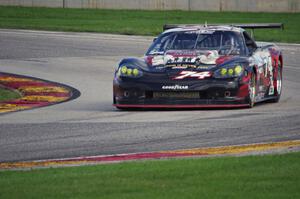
252,90
278,86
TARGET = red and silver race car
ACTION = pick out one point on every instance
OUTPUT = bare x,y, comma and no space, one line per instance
195,66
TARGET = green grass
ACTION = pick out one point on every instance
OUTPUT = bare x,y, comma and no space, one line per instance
267,177
141,22
6,94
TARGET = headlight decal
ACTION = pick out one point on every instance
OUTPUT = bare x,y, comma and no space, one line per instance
238,70
126,71
123,70
229,71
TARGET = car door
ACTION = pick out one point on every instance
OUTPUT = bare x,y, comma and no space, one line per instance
260,58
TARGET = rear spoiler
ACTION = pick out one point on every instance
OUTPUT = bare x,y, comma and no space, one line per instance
244,26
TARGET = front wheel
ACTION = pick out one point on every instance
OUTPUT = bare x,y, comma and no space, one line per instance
252,90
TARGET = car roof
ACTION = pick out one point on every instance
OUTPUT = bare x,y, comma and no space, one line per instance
204,28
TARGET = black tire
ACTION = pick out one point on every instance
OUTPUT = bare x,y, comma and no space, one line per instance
252,90
278,88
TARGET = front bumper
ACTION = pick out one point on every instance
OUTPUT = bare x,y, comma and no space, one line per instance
209,93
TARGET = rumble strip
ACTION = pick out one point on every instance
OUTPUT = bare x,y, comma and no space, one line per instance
34,92
196,152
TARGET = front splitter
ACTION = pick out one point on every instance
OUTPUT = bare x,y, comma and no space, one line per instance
171,106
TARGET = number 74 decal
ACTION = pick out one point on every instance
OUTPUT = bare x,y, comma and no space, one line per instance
198,75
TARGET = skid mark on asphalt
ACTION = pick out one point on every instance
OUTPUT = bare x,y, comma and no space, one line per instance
196,152
35,92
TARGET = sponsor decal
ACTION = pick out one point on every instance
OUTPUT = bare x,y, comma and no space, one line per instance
180,59
175,87
261,70
267,64
261,88
158,60
193,74
270,69
209,58
190,59
203,67
200,32
263,60
185,66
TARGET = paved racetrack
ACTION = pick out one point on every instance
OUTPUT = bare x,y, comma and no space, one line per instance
90,125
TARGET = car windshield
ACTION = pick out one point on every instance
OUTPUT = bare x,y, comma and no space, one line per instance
225,42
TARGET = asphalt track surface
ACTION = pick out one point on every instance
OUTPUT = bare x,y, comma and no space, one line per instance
90,125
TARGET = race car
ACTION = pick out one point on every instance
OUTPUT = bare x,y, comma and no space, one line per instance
201,66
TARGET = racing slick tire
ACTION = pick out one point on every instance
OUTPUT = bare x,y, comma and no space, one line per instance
252,90
278,88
